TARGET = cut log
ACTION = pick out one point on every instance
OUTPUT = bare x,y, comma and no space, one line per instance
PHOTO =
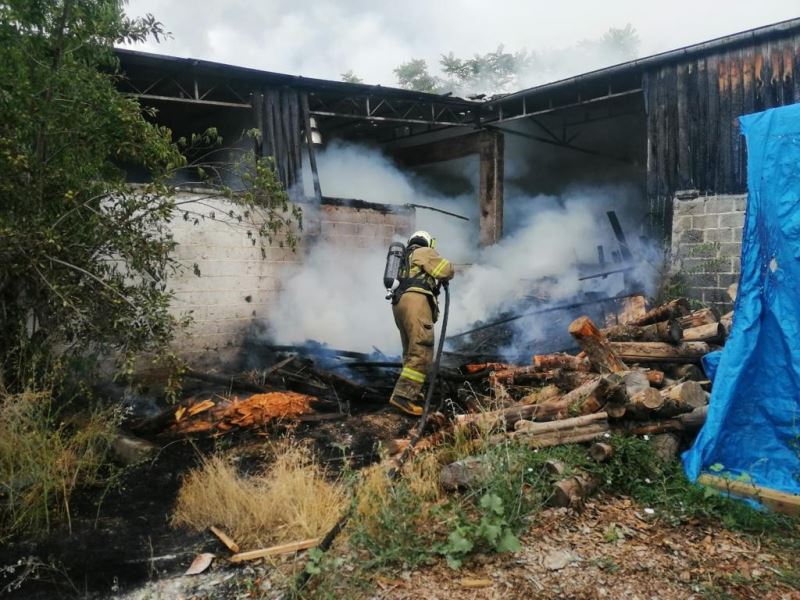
534,428
492,366
681,398
691,421
520,375
712,332
555,467
655,377
782,502
727,321
633,308
671,310
687,372
601,452
733,291
596,346
644,403
560,360
622,387
649,352
571,492
665,445
541,395
585,399
704,316
664,331
587,433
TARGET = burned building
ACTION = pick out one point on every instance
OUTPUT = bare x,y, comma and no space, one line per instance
665,125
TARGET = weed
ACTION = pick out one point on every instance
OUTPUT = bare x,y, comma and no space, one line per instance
292,500
390,521
44,457
634,470
492,532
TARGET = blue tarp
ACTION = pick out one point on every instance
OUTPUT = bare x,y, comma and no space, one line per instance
753,424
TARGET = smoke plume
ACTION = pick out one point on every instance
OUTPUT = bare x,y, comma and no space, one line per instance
337,296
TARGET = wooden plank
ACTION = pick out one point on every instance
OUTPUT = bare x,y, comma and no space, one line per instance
737,172
312,156
490,188
782,502
662,136
725,172
671,89
769,88
683,149
275,550
758,78
258,110
650,83
693,122
787,72
225,539
712,124
269,122
297,145
699,130
776,66
796,70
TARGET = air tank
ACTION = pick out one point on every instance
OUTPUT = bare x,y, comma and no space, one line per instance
394,260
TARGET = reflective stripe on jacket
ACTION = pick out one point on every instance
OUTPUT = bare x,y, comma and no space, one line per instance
425,269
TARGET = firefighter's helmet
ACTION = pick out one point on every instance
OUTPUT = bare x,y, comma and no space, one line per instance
421,238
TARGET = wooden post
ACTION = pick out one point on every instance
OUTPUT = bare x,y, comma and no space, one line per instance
491,188
312,157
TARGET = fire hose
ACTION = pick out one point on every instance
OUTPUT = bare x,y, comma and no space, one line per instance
393,472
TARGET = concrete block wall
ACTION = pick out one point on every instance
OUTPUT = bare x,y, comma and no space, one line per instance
238,282
707,244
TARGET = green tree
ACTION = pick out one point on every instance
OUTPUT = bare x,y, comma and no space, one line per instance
350,77
84,256
414,75
496,71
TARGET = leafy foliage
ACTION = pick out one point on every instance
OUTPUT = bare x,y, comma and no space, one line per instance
493,71
414,75
500,71
85,257
350,77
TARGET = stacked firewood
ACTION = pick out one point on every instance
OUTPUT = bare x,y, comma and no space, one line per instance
640,374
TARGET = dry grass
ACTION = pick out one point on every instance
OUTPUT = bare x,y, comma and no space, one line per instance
43,460
291,501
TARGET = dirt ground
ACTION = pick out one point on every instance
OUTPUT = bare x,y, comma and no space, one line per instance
121,545
613,549
120,537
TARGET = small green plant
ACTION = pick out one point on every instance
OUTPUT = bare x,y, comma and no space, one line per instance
492,532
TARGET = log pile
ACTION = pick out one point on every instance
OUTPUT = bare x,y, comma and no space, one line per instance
640,374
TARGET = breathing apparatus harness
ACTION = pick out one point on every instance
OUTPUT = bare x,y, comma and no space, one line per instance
394,471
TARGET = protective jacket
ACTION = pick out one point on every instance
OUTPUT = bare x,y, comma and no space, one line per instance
421,272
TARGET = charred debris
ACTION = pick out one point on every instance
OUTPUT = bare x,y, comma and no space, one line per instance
602,364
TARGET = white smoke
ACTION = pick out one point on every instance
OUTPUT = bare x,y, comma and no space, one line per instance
337,297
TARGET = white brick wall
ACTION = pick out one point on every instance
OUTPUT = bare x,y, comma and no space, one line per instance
707,244
237,284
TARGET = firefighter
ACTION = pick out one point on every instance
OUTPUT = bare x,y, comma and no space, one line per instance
415,308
